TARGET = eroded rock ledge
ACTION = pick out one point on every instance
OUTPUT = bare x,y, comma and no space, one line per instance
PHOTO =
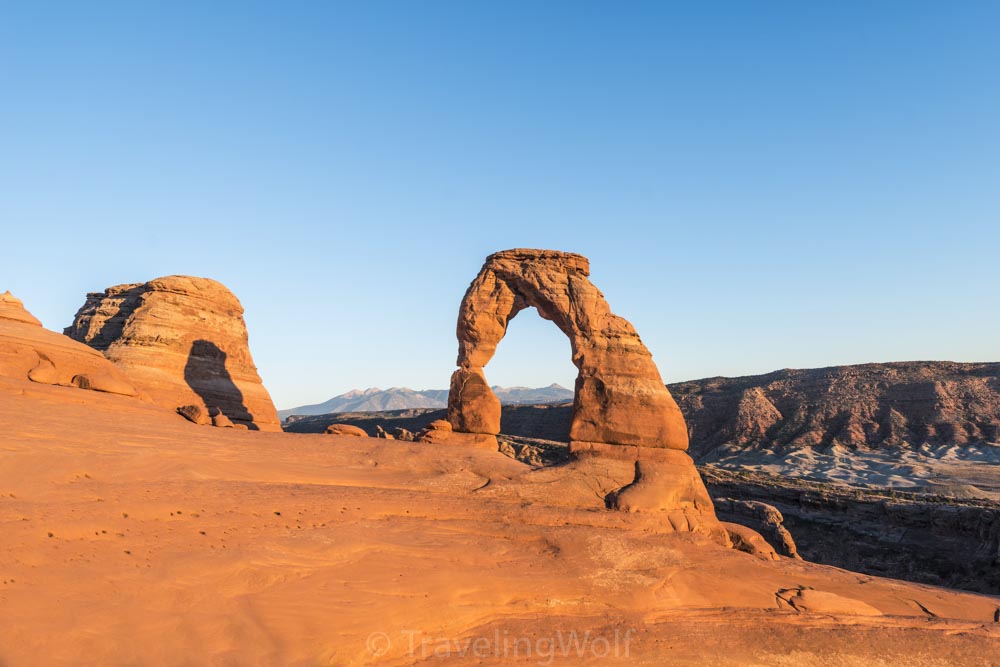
28,351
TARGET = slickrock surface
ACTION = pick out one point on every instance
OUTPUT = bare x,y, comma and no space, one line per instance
808,600
939,522
29,351
183,341
132,537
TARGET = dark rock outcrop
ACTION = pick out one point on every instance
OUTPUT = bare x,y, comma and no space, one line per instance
936,540
195,414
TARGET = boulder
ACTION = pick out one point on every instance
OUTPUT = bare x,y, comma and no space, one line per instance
439,425
437,431
404,434
750,541
195,413
182,340
220,420
764,518
346,429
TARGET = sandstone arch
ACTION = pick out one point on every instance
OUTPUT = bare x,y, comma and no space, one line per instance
620,398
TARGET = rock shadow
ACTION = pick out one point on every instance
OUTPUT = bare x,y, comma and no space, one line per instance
205,372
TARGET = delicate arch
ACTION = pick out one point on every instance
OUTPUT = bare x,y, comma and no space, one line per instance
620,398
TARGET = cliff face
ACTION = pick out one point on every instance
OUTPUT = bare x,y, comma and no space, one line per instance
182,340
920,537
871,406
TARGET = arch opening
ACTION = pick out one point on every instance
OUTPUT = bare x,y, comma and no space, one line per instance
533,376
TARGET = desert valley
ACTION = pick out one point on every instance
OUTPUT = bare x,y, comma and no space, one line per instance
157,509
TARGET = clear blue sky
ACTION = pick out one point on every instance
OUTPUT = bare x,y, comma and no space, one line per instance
758,185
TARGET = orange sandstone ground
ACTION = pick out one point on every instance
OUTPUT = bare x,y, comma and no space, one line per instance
132,537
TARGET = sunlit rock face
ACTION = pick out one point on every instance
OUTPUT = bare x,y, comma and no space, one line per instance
620,396
621,407
28,351
183,341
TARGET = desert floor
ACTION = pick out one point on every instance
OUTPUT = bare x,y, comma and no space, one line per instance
132,537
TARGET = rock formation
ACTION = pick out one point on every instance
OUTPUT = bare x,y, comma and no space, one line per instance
182,340
268,548
761,517
620,398
220,420
867,406
938,532
12,310
750,541
621,408
346,429
28,351
195,414
913,536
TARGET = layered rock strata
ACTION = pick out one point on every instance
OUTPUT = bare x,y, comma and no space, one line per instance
183,341
620,398
621,408
872,406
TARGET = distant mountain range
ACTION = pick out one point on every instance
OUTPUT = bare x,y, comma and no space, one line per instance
374,399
